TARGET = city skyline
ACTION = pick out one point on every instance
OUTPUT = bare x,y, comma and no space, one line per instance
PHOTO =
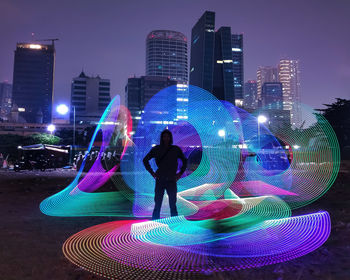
97,39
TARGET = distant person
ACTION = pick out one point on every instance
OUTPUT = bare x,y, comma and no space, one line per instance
166,155
79,161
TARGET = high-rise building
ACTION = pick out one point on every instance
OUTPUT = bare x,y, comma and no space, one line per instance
250,98
5,100
166,55
202,52
223,81
272,96
265,74
139,90
277,119
289,76
217,60
33,77
238,71
89,98
272,103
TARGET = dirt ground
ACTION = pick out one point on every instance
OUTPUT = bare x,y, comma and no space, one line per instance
31,242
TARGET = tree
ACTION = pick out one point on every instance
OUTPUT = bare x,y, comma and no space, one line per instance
43,138
338,115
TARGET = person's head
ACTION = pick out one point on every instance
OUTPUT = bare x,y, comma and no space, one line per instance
166,137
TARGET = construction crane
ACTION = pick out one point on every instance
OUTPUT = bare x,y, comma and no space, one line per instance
52,40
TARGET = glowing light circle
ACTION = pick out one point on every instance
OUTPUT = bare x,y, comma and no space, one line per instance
235,200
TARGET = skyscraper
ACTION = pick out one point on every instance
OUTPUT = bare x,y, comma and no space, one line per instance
5,100
266,74
139,90
89,98
250,100
166,55
272,96
272,103
202,52
223,82
33,77
217,59
289,76
238,71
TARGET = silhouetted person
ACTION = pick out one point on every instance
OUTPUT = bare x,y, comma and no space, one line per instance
166,155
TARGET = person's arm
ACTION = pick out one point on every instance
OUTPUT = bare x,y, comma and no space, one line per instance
146,160
184,162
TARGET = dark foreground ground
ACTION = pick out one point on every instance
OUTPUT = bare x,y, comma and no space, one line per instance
30,242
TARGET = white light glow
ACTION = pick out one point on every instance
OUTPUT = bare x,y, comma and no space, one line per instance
221,133
21,109
182,86
236,49
51,128
262,119
34,46
62,109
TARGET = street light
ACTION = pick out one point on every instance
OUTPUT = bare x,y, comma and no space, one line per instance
51,128
222,133
63,109
261,119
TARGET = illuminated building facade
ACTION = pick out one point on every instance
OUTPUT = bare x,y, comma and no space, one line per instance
89,98
33,78
265,74
272,96
217,60
166,55
139,90
5,100
223,81
202,52
250,99
237,60
289,76
272,106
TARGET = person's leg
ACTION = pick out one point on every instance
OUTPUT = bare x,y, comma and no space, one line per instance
171,189
158,199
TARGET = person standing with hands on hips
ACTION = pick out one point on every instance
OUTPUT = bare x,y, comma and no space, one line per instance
166,155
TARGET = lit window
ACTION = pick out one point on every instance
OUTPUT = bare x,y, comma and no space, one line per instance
34,46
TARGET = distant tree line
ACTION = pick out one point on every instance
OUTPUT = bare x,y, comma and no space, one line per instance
338,115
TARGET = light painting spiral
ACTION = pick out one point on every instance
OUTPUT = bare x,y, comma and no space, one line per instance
235,200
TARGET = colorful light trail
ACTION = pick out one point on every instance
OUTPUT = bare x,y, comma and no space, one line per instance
235,201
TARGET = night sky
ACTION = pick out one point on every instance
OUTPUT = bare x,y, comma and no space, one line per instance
107,37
